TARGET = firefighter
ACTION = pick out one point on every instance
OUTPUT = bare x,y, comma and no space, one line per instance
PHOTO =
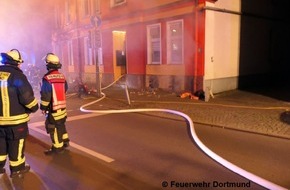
53,104
17,101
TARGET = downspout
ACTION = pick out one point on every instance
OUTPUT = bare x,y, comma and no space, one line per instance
196,51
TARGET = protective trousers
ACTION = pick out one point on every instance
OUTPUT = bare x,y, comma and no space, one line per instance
12,145
57,131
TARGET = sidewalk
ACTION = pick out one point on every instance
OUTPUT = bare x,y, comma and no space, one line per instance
239,110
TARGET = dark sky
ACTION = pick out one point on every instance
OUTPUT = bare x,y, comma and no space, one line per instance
26,25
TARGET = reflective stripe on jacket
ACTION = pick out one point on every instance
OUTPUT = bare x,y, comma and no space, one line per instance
17,97
53,89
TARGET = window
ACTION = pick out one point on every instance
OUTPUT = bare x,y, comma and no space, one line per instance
175,42
85,8
88,51
154,44
115,3
96,6
70,53
67,12
100,56
57,18
59,52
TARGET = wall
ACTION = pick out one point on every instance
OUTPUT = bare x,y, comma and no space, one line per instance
222,34
133,19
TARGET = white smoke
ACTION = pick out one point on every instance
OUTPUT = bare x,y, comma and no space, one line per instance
26,25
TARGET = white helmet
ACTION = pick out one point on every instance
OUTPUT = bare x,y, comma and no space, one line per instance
15,55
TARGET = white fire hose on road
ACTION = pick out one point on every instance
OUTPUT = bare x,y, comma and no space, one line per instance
263,182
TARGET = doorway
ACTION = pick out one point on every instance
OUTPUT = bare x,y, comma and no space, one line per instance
119,54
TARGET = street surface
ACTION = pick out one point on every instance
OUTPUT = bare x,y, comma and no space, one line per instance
140,151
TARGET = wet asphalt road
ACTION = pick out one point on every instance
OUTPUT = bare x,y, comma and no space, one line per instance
137,151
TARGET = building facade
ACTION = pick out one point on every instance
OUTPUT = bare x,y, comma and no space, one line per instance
175,45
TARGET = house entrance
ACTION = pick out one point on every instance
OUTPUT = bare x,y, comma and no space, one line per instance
119,53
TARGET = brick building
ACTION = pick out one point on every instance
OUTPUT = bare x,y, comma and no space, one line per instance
176,45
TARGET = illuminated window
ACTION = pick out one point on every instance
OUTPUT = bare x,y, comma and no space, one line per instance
115,3
154,44
70,53
88,51
175,42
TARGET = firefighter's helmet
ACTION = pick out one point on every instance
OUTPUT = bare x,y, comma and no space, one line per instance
13,57
16,56
52,61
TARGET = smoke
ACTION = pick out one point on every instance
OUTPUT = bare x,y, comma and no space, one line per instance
26,26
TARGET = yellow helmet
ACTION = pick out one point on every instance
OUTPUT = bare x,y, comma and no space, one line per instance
51,58
15,55
52,61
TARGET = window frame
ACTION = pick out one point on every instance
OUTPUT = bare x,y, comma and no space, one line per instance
88,51
67,11
96,6
170,38
70,53
57,17
85,8
150,40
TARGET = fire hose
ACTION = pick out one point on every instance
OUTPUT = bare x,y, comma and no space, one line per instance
263,182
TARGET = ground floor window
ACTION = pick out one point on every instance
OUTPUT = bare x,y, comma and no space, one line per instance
175,42
88,51
70,53
154,44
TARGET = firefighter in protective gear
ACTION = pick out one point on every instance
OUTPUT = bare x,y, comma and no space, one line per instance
53,104
17,101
